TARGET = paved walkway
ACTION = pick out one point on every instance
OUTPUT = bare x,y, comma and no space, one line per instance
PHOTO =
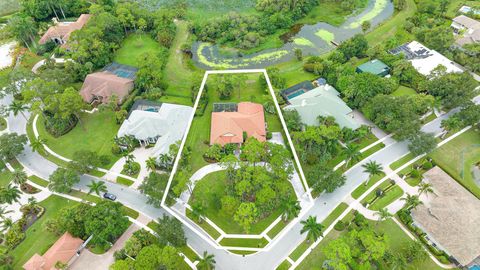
282,245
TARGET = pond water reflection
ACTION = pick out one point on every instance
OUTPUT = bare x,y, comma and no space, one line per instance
311,39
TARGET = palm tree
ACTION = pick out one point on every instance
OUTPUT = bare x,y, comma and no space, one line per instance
4,211
352,154
291,209
198,211
426,188
412,201
37,144
372,168
399,263
97,187
17,107
207,262
9,194
313,228
383,214
19,177
151,163
7,223
31,205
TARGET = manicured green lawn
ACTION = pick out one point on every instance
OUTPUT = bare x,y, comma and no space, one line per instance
5,177
397,240
404,91
392,195
134,46
205,226
295,255
276,229
95,133
244,242
210,190
285,265
399,163
362,188
389,196
177,73
37,180
3,124
38,239
457,158
124,181
334,215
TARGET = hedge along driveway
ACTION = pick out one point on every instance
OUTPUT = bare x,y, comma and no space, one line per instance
95,133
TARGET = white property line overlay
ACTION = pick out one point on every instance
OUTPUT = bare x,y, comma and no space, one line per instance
207,237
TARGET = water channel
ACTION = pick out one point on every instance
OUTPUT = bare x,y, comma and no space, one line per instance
311,39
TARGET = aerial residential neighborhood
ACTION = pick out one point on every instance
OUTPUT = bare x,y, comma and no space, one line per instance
239,135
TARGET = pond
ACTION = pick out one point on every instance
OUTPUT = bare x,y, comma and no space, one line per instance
311,39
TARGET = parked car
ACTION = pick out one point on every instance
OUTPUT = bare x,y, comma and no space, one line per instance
109,196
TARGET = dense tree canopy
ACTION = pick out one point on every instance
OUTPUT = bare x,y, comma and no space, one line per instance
398,114
360,88
11,145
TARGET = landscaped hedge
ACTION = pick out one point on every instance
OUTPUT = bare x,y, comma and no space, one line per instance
59,127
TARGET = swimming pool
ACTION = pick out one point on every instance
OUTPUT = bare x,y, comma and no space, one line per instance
475,267
296,93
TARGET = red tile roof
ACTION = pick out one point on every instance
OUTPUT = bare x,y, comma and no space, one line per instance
104,85
63,250
228,127
63,30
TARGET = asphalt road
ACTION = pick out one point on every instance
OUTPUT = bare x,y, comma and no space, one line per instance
261,260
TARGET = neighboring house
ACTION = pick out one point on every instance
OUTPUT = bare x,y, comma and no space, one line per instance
467,30
62,251
450,217
425,60
231,121
61,31
375,67
162,124
322,101
100,86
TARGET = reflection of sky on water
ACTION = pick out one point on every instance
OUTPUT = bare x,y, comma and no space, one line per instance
211,58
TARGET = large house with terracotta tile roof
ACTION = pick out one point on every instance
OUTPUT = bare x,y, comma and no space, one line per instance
61,31
101,86
62,251
229,126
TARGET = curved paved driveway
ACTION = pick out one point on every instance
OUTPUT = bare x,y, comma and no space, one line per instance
261,260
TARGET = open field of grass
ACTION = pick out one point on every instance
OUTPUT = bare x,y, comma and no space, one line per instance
38,239
331,12
457,158
209,190
177,73
134,46
390,27
95,133
397,240
9,7
404,91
